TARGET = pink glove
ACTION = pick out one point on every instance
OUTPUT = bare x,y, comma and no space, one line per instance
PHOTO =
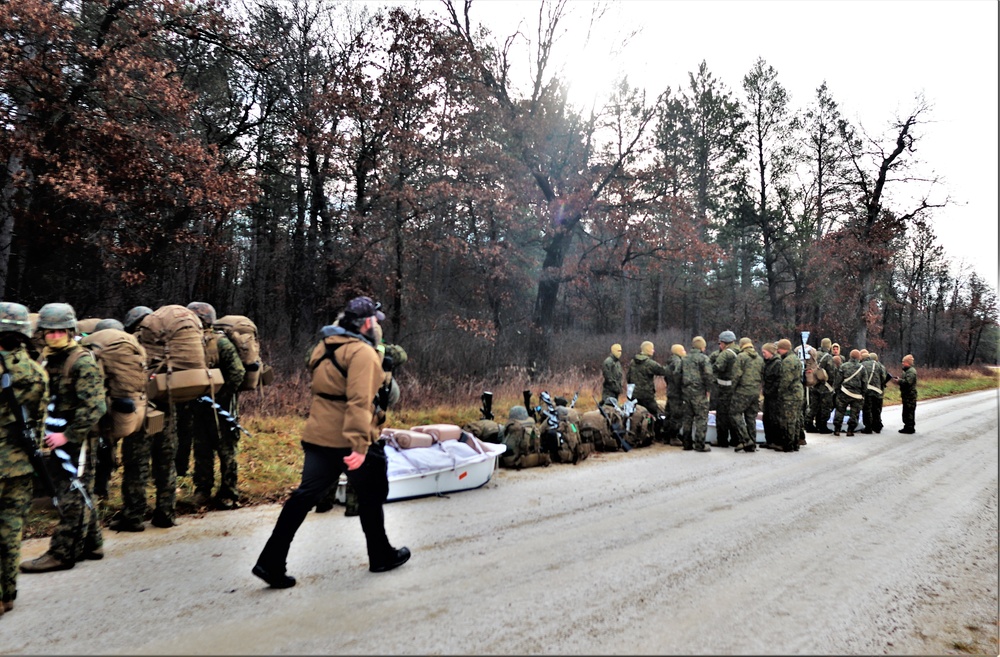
354,460
54,440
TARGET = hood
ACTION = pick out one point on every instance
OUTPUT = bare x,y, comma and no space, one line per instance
638,358
332,330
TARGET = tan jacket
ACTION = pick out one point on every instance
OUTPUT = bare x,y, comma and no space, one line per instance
349,419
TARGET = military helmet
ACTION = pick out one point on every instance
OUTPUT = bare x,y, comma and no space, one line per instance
727,337
204,311
109,323
57,316
518,413
14,317
134,316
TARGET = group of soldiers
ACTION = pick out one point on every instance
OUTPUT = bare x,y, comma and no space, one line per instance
801,387
60,392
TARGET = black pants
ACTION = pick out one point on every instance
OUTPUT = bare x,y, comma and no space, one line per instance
320,471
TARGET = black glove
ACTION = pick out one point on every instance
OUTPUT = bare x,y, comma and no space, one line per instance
123,405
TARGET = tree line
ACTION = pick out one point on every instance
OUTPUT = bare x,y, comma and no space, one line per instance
277,158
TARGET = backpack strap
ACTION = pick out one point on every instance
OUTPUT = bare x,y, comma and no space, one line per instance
330,349
71,361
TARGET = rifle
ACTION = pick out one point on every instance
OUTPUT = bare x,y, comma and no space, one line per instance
629,408
576,395
66,463
224,414
24,438
619,436
552,419
106,464
487,408
532,412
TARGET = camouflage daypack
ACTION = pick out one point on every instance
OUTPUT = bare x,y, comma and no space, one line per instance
242,332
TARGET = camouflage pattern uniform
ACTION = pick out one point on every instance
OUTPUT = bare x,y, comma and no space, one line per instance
876,376
771,379
825,392
675,401
79,399
697,373
908,393
723,368
850,395
792,393
612,371
30,383
748,372
641,372
213,434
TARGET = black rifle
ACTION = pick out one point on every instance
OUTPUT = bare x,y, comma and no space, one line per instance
224,414
551,419
24,438
615,431
532,412
487,409
106,464
576,395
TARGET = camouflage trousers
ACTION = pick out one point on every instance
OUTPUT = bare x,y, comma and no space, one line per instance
163,454
79,529
852,407
675,416
15,498
695,419
136,450
791,421
723,426
871,412
743,411
812,409
824,404
214,435
909,413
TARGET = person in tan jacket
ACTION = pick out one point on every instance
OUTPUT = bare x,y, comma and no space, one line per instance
341,433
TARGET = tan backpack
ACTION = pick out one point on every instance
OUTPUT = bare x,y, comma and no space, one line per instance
175,351
123,360
242,332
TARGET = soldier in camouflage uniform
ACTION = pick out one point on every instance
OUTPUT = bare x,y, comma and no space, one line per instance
30,386
642,371
162,445
211,433
748,373
771,387
792,393
824,390
876,378
675,401
850,394
611,369
908,392
697,373
76,389
722,366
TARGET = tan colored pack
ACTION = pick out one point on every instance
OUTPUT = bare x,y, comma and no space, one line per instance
242,332
123,360
175,349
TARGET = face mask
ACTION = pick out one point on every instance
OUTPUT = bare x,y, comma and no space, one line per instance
57,341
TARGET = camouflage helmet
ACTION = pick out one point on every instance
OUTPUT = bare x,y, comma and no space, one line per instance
204,311
14,317
109,323
57,316
134,316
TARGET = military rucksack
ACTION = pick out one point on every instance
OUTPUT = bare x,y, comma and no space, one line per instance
123,361
571,448
523,448
594,430
487,431
175,351
641,428
242,332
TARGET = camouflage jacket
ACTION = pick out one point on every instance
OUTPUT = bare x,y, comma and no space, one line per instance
824,360
31,390
723,368
875,377
748,372
675,376
220,352
908,384
641,372
78,396
612,371
852,379
697,372
791,388
771,378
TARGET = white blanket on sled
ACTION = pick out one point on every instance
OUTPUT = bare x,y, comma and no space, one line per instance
445,455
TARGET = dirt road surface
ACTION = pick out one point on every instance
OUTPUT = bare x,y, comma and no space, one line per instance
874,544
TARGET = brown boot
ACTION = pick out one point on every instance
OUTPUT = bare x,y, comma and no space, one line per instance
44,564
8,605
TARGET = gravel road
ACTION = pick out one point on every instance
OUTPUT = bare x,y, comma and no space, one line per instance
874,544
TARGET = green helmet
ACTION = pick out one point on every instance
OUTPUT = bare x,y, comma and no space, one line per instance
134,316
57,316
14,317
204,311
109,323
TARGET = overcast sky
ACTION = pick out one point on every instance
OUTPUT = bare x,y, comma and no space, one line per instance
875,57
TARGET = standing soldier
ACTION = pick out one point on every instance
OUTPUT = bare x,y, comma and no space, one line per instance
824,390
612,371
748,372
850,395
697,373
642,372
876,381
869,371
212,432
771,378
908,392
675,401
723,368
792,394
25,384
76,389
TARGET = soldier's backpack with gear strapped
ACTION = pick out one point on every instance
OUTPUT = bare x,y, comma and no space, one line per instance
594,430
175,351
641,428
123,361
572,449
487,431
242,332
523,448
